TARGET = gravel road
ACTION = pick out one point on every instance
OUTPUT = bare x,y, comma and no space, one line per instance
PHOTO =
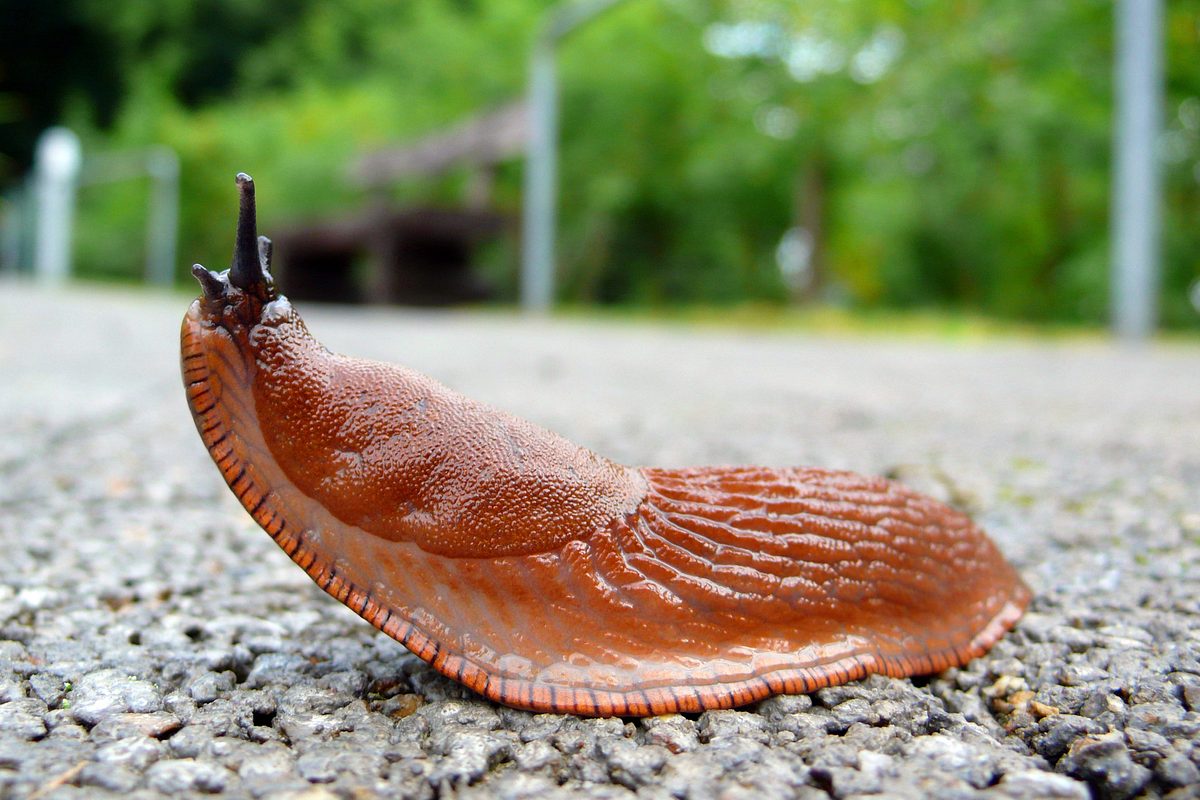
155,643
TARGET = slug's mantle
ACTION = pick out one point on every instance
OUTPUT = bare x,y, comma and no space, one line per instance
546,577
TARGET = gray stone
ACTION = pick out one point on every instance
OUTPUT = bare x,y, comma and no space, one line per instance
106,692
807,726
50,689
158,725
1034,785
178,775
733,753
1186,728
714,725
23,718
1058,731
781,705
1178,770
953,756
345,682
673,731
135,753
473,713
469,752
11,688
1105,763
1151,690
301,792
62,725
302,726
691,775
538,726
208,686
1146,743
536,755
111,777
223,717
630,764
1155,716
522,786
276,669
191,741
325,763
267,767
854,711
1104,706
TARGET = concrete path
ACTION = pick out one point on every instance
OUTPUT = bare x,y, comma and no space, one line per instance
155,643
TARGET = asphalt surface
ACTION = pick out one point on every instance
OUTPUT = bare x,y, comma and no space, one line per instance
155,643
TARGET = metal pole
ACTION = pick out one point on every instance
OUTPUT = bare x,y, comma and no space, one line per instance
56,170
541,167
162,223
539,204
11,223
1136,194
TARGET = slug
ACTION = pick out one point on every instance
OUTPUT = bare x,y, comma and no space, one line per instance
548,578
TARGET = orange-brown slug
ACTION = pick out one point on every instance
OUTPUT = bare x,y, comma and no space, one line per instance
546,577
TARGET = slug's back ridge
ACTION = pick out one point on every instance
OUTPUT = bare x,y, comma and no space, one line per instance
547,577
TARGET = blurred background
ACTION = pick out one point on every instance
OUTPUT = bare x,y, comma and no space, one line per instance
864,155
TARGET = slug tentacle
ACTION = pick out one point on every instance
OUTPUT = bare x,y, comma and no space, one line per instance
265,248
247,270
214,288
549,578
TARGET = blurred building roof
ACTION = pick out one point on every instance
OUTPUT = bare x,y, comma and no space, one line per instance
481,140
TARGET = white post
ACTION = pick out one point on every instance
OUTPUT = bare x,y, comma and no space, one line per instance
12,223
541,166
56,172
539,204
1135,220
162,224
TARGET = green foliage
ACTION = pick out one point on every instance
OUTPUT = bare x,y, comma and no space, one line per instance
943,155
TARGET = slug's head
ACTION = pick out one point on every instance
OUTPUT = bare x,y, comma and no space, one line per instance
242,290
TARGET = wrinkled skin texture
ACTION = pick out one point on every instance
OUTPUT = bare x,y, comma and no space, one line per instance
546,577
420,463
